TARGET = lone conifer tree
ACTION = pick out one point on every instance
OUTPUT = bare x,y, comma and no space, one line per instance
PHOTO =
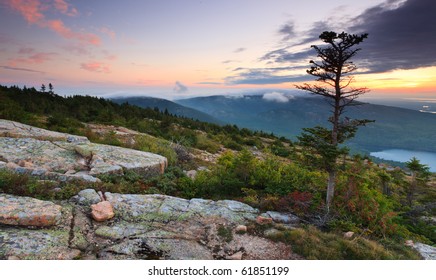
334,82
420,175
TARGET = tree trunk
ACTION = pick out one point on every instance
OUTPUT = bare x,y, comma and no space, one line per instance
386,189
330,189
411,192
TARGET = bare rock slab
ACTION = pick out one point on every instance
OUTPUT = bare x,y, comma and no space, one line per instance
36,244
26,211
166,208
18,130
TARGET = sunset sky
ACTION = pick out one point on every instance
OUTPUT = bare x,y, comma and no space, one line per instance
179,48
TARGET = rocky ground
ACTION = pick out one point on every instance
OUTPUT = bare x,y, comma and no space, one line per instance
59,156
137,227
94,225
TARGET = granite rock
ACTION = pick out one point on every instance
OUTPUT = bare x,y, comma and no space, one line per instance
26,211
102,211
64,157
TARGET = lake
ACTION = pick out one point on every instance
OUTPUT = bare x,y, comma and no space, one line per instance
405,155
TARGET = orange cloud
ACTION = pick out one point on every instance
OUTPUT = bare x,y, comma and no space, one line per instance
95,66
32,11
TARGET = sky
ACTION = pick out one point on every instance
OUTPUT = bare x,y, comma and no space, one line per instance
181,48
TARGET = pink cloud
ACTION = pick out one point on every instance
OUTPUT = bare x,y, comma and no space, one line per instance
108,32
26,50
35,58
95,66
59,27
77,49
65,8
32,11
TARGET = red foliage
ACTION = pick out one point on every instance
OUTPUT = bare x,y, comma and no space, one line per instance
298,202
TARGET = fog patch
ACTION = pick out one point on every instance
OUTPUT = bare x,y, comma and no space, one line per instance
277,97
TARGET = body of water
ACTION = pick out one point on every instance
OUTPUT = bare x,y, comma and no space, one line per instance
405,155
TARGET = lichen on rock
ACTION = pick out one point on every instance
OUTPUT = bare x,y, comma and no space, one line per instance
26,211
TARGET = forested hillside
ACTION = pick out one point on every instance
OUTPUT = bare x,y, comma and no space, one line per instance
168,106
393,127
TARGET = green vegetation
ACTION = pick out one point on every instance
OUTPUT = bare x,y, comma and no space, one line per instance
225,233
420,175
25,185
132,183
314,244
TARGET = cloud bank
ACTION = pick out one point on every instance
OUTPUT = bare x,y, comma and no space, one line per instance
180,88
276,97
401,36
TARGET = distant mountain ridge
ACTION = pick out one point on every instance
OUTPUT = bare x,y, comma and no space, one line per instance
172,107
394,127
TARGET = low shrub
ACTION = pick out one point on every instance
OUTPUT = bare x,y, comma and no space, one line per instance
314,244
158,146
25,185
204,143
225,233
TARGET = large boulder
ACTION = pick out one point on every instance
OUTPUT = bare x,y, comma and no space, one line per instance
64,157
426,251
26,211
13,129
